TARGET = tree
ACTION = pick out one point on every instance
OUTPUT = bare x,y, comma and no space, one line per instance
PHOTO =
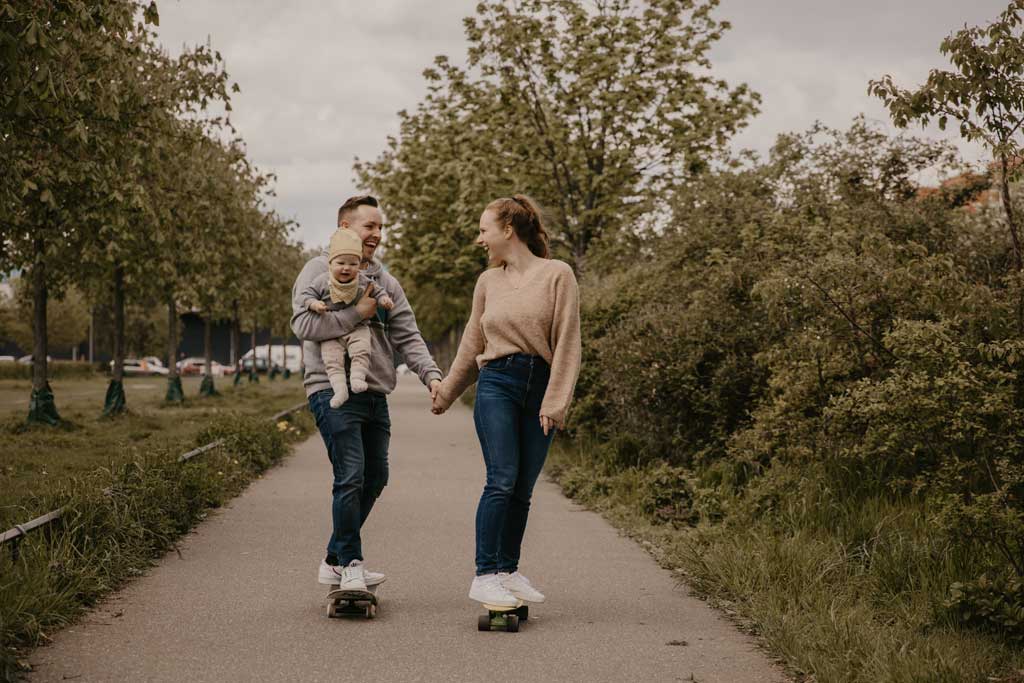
62,66
595,110
985,95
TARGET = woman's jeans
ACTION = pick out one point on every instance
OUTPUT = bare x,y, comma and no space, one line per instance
357,436
507,415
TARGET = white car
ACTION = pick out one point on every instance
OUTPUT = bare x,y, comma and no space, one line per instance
7,359
196,365
140,367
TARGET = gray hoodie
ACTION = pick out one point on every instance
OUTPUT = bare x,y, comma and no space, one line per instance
394,334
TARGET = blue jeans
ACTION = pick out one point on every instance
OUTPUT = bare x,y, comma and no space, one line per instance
509,393
357,436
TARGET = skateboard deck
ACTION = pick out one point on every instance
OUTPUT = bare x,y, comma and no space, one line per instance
350,602
501,618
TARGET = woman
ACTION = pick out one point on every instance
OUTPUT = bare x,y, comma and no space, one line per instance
522,347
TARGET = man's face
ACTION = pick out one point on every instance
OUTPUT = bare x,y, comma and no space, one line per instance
366,222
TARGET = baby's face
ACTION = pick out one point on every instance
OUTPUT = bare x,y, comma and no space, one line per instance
345,267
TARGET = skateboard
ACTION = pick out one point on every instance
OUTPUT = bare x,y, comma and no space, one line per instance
349,602
500,618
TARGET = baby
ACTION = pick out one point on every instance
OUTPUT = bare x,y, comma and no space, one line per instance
340,286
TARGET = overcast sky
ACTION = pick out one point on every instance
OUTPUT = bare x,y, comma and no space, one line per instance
299,63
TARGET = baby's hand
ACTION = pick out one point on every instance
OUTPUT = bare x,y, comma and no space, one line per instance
317,306
385,301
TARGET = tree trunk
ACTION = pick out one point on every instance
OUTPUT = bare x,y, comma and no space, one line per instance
1011,220
172,338
208,345
253,374
118,373
92,334
235,333
40,346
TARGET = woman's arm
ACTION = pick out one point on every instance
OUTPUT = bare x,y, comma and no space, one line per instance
464,369
566,348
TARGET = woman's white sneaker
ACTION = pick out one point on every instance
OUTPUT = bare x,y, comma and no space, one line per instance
519,586
488,589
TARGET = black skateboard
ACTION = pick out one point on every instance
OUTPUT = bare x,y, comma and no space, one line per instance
352,602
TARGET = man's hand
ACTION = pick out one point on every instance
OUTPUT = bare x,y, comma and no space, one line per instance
367,305
317,307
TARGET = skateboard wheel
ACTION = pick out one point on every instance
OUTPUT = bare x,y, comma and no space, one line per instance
484,622
512,623
523,613
371,611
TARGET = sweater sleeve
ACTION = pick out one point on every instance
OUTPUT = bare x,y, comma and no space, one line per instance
566,348
406,337
464,369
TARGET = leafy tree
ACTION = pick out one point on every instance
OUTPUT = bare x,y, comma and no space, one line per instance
596,110
985,96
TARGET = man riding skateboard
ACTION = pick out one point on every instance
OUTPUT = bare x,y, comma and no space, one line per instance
357,433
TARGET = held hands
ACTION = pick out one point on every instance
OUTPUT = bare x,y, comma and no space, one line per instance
438,403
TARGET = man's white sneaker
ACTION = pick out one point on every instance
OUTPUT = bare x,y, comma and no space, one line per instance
353,577
488,589
330,575
519,586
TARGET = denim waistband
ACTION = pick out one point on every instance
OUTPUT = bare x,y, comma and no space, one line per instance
518,360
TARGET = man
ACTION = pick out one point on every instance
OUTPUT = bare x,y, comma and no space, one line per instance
358,432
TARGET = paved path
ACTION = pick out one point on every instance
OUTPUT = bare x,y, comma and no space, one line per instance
241,602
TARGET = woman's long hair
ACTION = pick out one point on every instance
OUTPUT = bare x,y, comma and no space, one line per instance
524,215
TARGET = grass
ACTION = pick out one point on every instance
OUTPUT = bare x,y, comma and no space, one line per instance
126,497
37,460
842,591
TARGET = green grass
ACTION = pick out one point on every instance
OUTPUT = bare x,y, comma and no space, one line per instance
37,460
843,591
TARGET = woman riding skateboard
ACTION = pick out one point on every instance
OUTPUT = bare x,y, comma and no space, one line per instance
522,348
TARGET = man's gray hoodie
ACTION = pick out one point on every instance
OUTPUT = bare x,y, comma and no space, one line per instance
394,334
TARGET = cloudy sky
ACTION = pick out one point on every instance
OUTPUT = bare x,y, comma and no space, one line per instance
321,82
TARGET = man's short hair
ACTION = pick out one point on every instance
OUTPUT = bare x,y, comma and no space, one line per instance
353,203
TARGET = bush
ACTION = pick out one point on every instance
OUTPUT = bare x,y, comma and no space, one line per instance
56,369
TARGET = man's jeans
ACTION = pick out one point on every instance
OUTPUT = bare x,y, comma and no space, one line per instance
357,436
509,393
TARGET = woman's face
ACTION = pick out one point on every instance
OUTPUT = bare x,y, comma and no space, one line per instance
345,267
492,237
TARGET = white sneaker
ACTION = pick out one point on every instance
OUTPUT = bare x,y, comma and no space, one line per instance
488,589
330,575
519,586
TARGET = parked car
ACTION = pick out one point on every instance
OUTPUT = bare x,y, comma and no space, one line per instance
138,367
7,359
196,365
27,360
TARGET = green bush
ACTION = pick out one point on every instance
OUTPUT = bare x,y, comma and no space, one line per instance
56,369
995,605
809,338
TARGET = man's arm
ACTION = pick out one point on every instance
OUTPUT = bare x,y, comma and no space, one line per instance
406,338
316,327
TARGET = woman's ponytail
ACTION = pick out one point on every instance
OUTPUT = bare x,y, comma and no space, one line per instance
524,215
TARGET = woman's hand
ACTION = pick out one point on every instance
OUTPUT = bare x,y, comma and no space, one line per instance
548,425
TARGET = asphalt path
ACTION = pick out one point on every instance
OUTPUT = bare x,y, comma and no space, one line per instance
240,601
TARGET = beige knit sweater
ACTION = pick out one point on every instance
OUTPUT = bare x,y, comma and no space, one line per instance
540,317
